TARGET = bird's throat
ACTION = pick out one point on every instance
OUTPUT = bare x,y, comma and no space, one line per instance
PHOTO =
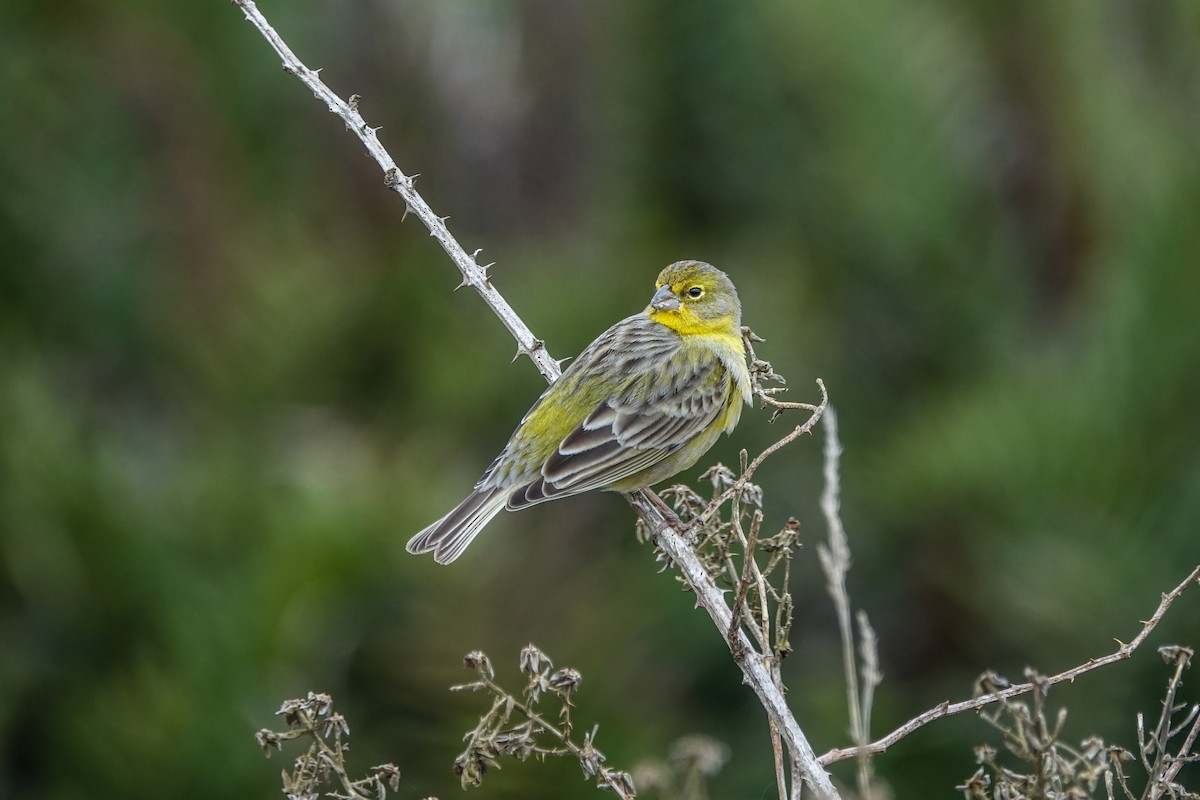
686,322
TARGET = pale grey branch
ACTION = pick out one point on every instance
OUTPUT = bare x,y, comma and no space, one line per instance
473,274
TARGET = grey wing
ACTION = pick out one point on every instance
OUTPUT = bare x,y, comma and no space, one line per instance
655,415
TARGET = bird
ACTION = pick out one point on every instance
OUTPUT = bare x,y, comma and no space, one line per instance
641,403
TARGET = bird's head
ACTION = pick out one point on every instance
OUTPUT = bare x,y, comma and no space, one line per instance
695,297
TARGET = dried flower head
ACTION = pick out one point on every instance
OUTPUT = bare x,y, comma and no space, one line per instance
479,662
533,661
566,680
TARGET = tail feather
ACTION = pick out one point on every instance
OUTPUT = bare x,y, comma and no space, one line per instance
449,536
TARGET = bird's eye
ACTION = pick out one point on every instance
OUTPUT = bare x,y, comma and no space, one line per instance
696,292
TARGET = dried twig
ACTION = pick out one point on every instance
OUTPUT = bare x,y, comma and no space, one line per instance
497,735
947,708
322,768
1166,765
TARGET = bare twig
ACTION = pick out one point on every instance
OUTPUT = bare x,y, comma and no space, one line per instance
1167,765
672,541
947,708
763,371
806,427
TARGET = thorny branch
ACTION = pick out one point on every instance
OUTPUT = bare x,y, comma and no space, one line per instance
947,708
1047,765
648,506
474,275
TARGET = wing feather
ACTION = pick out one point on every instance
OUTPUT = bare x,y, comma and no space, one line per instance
652,417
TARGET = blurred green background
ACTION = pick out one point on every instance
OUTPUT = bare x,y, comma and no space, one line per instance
233,381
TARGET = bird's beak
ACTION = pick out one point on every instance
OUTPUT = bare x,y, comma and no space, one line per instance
664,300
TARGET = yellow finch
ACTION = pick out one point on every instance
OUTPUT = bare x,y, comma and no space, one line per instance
641,403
